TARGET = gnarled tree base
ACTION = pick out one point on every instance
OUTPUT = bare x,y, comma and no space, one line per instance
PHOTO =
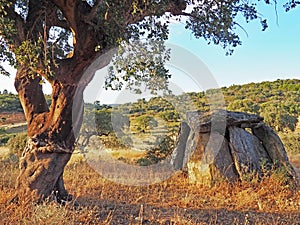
41,176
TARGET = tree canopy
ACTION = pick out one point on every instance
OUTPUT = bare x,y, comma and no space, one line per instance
46,35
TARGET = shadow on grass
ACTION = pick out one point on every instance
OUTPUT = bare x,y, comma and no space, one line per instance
112,212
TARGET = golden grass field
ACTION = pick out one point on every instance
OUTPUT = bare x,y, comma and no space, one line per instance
174,201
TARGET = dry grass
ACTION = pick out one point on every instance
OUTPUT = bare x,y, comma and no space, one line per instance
295,160
4,151
127,156
174,201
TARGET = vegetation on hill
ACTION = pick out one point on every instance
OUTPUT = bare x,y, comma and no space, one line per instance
9,103
278,102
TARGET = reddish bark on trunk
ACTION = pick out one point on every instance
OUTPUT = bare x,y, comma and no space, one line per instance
51,136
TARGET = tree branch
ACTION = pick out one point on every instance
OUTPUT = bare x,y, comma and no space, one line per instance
52,18
176,8
30,93
93,11
68,8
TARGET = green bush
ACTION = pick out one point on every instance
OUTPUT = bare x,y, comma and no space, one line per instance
291,142
159,152
4,138
112,141
144,162
144,123
17,144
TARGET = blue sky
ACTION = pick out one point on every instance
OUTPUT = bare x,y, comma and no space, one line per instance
269,55
263,56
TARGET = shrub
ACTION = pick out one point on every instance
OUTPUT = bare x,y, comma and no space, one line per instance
17,144
4,136
163,148
144,162
144,123
113,141
291,142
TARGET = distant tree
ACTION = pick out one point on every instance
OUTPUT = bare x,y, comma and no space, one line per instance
103,122
286,121
144,123
170,115
97,105
162,149
277,116
291,141
245,105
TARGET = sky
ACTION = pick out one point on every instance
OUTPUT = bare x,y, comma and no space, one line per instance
264,56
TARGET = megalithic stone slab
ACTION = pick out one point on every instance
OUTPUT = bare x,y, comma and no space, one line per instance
247,151
198,170
223,163
211,161
220,161
274,147
219,145
179,154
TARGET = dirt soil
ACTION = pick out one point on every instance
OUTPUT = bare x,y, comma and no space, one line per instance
122,213
295,160
11,118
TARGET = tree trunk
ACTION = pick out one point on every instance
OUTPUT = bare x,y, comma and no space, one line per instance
51,136
41,174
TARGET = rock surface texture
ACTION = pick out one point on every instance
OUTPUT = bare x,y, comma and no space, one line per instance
224,145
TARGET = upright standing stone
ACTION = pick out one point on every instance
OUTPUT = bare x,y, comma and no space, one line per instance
274,147
177,158
247,151
222,167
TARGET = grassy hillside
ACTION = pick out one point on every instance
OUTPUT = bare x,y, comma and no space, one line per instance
278,102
